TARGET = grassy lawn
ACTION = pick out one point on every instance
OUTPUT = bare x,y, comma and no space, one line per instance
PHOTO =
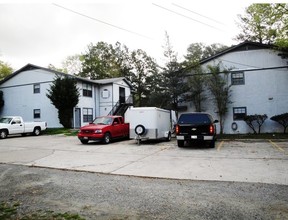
65,131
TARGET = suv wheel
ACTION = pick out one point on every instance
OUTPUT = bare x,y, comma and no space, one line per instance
180,143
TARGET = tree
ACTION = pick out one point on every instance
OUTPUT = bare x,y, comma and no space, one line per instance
173,85
264,23
64,95
105,61
217,83
282,120
143,67
196,83
255,120
199,51
5,70
73,64
196,92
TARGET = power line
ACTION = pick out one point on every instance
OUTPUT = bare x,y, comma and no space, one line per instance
197,13
177,13
100,21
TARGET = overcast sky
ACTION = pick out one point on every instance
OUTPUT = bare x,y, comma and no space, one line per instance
46,33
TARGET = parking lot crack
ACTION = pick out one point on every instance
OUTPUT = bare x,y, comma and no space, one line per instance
139,159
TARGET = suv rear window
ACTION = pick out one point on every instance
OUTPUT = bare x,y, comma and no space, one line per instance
194,119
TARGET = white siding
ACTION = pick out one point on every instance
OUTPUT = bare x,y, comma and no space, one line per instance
20,99
264,91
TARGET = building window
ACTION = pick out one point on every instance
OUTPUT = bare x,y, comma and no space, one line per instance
37,113
36,88
237,78
87,114
239,113
87,90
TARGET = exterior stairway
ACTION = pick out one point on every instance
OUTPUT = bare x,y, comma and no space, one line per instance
121,107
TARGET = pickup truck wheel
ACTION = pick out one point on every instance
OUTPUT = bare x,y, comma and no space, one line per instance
84,141
180,143
212,144
107,138
3,134
37,131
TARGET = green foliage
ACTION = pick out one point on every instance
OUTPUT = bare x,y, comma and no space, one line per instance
264,23
143,68
199,51
64,95
172,86
196,84
73,64
5,70
282,120
217,83
255,120
104,60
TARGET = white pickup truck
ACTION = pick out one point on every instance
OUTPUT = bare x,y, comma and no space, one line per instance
15,125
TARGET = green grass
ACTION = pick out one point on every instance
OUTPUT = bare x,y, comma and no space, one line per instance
65,131
10,211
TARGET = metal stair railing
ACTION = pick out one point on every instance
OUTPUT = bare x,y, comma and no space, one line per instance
118,106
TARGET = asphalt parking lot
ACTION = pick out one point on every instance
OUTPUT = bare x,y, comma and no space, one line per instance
262,161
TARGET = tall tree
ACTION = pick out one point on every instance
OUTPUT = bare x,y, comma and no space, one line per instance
199,51
73,64
217,83
264,23
64,95
173,84
195,53
5,70
104,60
196,91
142,67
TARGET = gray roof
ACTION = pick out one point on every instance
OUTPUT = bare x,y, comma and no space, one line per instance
33,67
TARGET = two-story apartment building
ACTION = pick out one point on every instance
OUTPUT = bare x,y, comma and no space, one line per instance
25,90
259,85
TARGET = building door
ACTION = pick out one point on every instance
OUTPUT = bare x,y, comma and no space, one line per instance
77,118
122,95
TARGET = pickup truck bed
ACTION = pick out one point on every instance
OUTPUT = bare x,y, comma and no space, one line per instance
15,125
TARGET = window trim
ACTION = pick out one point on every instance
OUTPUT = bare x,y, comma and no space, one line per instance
86,116
36,88
36,115
87,90
239,116
237,80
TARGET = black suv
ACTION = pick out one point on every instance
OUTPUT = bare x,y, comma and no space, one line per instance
196,127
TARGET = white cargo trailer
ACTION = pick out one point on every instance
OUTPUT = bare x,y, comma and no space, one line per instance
149,123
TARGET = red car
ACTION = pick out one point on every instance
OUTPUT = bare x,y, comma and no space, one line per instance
104,129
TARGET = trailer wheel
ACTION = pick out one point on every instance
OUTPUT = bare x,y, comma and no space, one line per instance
169,137
140,129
